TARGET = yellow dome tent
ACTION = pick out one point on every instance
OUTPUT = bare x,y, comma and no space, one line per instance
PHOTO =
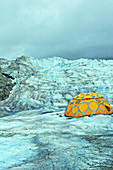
86,104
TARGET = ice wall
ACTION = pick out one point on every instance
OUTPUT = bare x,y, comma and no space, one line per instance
49,84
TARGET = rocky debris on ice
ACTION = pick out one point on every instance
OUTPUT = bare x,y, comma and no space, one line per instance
49,84
6,86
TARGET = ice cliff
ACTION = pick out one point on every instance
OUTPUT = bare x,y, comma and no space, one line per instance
48,84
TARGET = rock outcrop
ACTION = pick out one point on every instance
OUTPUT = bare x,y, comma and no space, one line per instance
6,86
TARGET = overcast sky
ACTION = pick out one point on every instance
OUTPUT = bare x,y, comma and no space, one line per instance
45,28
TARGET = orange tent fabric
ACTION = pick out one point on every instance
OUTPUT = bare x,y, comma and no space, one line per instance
86,104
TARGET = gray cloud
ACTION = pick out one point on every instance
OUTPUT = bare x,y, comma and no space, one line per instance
43,28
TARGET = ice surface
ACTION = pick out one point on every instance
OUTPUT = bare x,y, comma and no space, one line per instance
31,140
34,136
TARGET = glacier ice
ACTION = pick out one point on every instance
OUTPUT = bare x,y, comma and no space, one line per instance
35,134
45,83
32,140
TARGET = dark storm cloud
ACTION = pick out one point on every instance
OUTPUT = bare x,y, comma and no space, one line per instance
43,28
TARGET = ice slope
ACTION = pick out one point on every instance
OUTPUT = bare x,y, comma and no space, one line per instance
38,139
49,84
32,140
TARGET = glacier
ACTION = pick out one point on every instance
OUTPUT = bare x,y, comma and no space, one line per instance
49,84
35,134
31,140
